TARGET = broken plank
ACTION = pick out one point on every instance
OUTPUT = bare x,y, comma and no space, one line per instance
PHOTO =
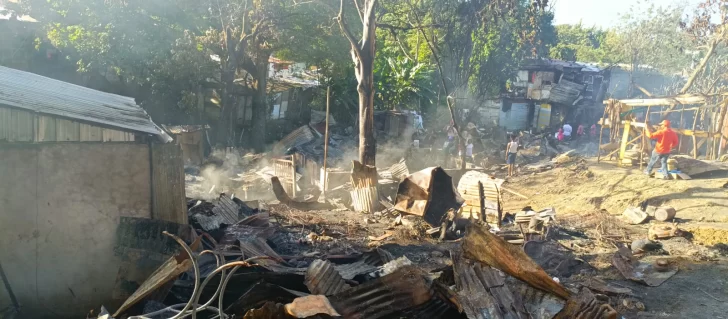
684,176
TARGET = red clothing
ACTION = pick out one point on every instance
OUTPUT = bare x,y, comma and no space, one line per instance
666,140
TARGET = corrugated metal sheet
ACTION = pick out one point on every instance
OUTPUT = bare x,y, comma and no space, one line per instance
300,136
482,291
15,125
365,199
168,181
227,209
369,263
428,193
44,95
468,189
566,92
322,278
404,289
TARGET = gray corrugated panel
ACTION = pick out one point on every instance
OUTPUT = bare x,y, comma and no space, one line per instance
369,263
322,278
16,125
227,209
48,96
541,305
404,289
482,292
566,92
299,136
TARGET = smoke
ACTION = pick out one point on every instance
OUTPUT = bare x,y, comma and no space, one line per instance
246,176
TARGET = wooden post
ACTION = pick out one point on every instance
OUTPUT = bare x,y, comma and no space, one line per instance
326,139
644,138
293,177
601,131
481,194
695,139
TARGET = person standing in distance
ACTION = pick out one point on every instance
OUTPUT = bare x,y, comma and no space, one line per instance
511,151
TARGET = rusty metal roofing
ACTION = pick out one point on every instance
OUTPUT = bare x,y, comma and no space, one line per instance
406,288
322,278
44,95
482,292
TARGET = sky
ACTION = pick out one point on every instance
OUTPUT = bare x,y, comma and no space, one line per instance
602,13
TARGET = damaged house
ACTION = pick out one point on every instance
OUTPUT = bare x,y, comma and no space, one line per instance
89,184
547,93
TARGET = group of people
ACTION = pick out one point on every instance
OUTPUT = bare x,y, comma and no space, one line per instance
565,132
666,141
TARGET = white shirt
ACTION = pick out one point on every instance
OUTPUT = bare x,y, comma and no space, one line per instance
469,150
567,130
513,147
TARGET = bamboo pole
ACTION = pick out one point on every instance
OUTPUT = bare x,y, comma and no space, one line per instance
644,138
601,131
293,177
326,139
695,139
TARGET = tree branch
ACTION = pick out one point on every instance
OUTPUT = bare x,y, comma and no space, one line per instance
345,29
701,67
449,99
358,11
411,27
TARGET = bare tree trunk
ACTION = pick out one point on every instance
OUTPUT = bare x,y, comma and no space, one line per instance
260,102
363,53
224,123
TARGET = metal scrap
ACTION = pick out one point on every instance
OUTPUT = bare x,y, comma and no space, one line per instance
480,245
642,272
482,293
283,197
404,289
585,306
428,193
260,294
309,306
322,278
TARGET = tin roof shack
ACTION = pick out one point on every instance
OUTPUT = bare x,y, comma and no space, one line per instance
88,184
561,91
192,139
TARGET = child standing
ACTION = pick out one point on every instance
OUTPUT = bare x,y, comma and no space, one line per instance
511,151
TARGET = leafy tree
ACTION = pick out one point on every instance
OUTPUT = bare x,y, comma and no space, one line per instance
363,52
579,43
400,81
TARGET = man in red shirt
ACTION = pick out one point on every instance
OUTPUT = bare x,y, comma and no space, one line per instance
666,141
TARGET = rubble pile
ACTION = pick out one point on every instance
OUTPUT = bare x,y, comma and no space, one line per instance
242,275
244,262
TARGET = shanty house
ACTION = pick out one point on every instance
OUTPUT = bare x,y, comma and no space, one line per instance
86,176
548,92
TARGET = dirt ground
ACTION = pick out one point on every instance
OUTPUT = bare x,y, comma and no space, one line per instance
592,195
702,203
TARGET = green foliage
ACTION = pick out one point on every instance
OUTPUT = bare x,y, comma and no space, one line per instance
401,82
590,44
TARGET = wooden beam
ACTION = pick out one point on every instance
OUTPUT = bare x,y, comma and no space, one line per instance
682,99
